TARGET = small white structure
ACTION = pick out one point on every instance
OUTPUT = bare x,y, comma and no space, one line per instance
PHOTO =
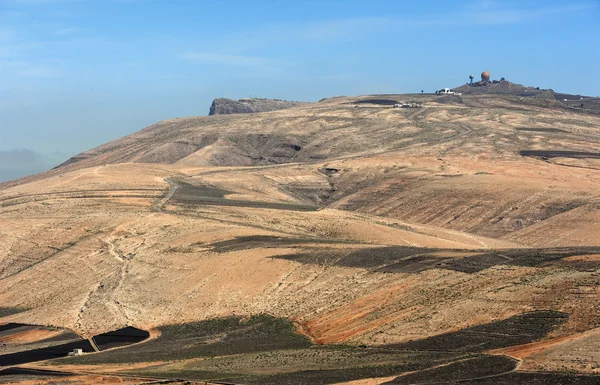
407,105
447,91
76,352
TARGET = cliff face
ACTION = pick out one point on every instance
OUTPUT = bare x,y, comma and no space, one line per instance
223,106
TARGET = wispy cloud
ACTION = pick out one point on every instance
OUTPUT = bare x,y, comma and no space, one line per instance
7,34
27,54
337,76
38,2
482,12
220,58
49,3
335,29
60,31
330,31
27,69
496,14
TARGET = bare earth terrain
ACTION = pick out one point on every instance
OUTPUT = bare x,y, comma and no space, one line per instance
332,242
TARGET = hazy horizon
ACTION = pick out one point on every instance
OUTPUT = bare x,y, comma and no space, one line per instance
78,73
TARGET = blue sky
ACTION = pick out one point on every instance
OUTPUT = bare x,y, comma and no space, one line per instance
77,73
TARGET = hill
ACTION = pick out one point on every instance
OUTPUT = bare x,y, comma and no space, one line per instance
327,242
505,87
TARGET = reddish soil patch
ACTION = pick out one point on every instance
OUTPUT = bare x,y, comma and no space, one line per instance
526,350
357,317
30,336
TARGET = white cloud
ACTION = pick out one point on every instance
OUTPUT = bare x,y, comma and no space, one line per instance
37,2
482,12
477,13
26,69
337,76
219,58
494,14
336,29
7,34
20,54
63,31
483,4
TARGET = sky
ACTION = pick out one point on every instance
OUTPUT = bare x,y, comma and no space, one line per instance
75,74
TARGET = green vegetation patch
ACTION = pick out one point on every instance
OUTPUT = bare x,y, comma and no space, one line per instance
477,367
317,365
187,189
316,358
516,330
332,376
264,350
217,337
528,378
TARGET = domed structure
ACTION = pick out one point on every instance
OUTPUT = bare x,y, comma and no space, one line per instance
485,76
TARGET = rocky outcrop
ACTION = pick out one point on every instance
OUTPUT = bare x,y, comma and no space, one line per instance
223,106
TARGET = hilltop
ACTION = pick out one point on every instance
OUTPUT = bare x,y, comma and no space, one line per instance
498,87
505,87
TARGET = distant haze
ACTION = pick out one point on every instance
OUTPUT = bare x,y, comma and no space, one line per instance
77,73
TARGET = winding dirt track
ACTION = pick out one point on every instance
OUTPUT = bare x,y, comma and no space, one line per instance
160,204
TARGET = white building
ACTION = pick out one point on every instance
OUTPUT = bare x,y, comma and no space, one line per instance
76,352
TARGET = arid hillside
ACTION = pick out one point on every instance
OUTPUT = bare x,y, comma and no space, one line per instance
377,233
